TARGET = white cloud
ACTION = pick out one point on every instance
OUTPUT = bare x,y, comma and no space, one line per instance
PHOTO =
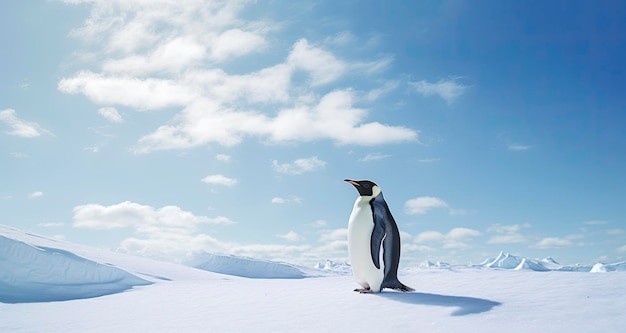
336,234
35,195
144,219
334,242
219,180
222,157
336,118
518,147
170,233
615,232
139,93
19,127
299,166
621,248
507,234
171,55
416,248
322,66
553,242
507,239
236,42
277,200
292,199
498,228
291,236
374,157
462,233
111,114
429,236
421,205
448,89
145,68
456,238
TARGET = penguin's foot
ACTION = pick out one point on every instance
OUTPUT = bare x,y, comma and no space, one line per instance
364,290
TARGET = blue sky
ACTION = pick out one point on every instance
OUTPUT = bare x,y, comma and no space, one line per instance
163,129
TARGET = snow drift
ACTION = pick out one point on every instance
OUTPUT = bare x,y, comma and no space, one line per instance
41,274
247,267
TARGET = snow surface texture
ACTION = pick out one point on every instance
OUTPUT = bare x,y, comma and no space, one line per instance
184,299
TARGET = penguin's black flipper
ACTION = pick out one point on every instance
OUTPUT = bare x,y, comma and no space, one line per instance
378,234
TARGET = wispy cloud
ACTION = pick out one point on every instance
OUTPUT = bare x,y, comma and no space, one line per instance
596,222
299,166
507,234
292,199
517,147
19,127
553,242
422,205
35,195
146,69
291,236
50,225
376,93
429,160
222,157
448,89
374,157
341,38
18,154
111,114
319,223
219,180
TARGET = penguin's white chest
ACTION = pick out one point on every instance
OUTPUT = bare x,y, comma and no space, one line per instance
360,227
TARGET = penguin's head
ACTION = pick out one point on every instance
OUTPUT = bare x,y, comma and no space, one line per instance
366,188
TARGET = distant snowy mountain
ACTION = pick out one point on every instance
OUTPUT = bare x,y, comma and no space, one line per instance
602,268
331,266
430,264
509,261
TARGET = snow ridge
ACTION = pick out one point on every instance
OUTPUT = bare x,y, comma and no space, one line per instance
42,274
247,267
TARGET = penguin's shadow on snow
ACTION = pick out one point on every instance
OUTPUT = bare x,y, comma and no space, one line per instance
464,305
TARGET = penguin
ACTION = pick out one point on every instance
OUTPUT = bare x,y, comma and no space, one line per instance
373,241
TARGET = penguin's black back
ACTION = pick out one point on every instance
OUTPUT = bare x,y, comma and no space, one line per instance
385,224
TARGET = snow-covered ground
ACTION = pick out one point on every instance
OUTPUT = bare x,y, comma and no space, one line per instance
504,294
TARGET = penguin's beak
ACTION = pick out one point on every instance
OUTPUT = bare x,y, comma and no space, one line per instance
352,182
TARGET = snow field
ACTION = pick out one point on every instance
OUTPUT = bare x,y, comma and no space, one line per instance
183,299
